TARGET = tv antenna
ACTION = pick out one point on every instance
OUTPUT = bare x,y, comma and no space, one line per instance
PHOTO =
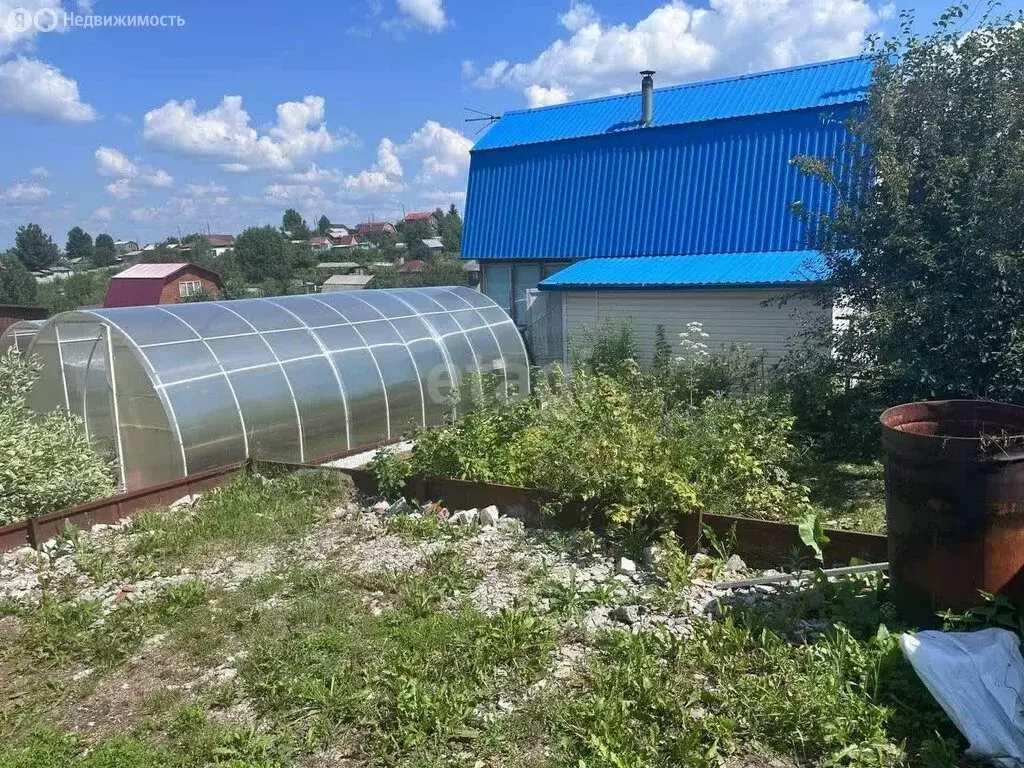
484,117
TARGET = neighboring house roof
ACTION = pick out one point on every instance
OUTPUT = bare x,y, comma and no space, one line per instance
359,280
319,241
372,227
693,183
142,284
418,216
414,265
337,265
345,241
812,86
434,243
221,241
677,272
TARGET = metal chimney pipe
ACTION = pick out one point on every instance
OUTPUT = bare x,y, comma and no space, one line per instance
647,97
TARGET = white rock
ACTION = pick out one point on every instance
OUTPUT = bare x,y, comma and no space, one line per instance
185,502
465,517
735,564
380,508
625,566
489,516
652,555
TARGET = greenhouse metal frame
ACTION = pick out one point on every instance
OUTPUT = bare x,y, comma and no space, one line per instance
171,390
19,335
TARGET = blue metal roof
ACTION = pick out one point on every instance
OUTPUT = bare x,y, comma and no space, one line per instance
720,187
679,272
813,86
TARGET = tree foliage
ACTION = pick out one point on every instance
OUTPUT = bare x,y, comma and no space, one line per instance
48,463
450,230
293,224
81,290
79,244
34,248
323,226
17,286
263,253
925,246
104,253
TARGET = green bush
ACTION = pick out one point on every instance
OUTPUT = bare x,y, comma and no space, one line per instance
619,451
46,462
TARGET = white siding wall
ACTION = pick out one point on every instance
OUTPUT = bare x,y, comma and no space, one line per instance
728,316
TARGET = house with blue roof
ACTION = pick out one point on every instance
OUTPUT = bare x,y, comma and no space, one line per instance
663,207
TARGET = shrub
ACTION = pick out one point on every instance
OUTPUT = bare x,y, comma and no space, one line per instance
618,452
610,349
46,462
390,472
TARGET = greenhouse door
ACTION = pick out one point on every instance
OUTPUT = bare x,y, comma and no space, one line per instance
99,399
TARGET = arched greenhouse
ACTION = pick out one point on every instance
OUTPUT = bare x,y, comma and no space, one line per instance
19,335
175,389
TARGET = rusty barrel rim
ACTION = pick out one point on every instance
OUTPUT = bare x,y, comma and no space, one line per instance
966,430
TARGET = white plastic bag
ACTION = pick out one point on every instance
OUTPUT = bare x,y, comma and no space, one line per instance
978,679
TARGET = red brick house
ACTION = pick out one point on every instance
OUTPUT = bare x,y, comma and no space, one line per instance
161,284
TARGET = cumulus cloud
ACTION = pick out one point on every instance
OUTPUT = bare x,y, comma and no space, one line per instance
36,89
304,194
40,172
104,213
445,151
427,13
19,32
441,154
539,96
212,189
112,163
224,133
684,42
578,16
24,193
384,175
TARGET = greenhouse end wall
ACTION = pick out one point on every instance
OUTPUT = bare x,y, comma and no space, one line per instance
175,389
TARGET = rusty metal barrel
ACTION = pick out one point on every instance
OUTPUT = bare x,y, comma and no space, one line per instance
954,495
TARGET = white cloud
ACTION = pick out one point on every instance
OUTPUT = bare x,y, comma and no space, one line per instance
385,175
225,134
539,96
15,36
468,69
440,153
315,174
40,172
121,189
105,213
293,193
578,16
428,13
684,42
445,151
34,88
24,193
112,163
206,190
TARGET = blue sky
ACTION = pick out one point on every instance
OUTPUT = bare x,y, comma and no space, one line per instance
351,108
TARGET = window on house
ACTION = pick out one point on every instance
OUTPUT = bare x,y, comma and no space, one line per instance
498,284
189,288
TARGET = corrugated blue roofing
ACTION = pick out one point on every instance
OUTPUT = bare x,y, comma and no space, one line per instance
832,83
701,271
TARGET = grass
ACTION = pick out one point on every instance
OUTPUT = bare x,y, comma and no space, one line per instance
378,667
851,496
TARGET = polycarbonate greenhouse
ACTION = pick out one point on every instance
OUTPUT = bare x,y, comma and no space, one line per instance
175,389
19,335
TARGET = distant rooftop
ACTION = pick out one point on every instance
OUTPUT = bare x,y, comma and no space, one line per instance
830,83
150,271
